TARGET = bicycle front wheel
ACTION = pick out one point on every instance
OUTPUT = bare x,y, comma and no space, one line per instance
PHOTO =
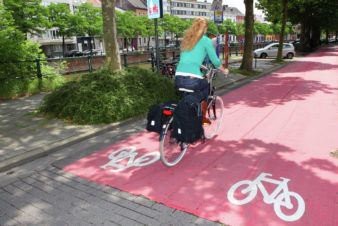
215,116
171,151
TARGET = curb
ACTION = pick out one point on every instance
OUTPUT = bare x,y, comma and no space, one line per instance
239,83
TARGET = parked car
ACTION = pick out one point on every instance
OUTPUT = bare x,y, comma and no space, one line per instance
91,52
297,44
74,53
272,49
266,42
171,45
332,40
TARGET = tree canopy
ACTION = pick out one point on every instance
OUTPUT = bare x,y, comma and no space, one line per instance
29,15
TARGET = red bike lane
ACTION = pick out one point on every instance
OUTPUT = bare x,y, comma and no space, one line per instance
270,164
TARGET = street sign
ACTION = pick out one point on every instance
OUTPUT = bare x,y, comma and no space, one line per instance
155,9
218,11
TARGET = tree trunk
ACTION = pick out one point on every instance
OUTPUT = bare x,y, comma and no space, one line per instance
327,36
148,43
282,32
302,35
109,35
248,42
315,38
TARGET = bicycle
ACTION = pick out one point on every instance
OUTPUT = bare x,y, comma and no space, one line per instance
168,68
171,151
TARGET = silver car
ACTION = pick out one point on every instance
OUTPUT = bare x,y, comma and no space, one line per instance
272,49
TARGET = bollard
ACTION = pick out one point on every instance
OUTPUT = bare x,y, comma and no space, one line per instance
152,61
125,60
39,74
90,63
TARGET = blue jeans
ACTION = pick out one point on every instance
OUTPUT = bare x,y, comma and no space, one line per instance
200,86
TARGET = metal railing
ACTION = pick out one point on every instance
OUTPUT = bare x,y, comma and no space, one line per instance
89,63
34,68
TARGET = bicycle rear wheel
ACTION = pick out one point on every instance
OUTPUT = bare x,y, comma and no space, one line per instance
215,115
171,151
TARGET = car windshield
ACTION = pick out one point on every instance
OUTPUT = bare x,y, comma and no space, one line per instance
270,45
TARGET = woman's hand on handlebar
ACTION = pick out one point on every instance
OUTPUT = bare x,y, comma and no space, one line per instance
224,71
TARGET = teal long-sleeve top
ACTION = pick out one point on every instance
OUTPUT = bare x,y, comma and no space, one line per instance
191,61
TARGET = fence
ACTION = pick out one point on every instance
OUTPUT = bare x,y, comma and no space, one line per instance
34,68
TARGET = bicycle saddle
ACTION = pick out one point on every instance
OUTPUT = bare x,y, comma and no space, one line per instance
186,90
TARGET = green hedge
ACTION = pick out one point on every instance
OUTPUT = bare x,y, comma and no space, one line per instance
104,97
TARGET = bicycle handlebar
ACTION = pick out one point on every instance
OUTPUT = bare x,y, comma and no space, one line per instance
210,72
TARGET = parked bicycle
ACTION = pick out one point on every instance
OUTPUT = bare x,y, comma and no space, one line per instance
168,68
171,151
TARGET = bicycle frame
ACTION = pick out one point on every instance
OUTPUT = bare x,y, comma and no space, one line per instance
271,198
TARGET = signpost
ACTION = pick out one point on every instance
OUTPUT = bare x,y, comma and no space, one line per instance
218,18
226,48
155,11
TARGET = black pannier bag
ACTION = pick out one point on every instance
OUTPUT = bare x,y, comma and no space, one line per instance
187,123
155,117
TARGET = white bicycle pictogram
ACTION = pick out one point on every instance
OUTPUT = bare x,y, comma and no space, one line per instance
281,196
118,157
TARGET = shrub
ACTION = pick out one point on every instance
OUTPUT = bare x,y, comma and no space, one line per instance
17,66
104,97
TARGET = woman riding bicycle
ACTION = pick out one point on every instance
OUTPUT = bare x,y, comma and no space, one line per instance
195,46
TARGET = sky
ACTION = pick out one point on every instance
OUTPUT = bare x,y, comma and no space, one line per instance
239,4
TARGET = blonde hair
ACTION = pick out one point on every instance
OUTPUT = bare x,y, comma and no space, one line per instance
194,34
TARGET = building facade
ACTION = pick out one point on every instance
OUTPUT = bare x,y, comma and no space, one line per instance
188,9
233,14
137,6
50,40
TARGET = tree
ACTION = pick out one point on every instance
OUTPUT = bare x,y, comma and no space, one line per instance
59,17
29,16
315,16
149,30
87,20
166,24
178,28
230,26
276,11
109,35
212,28
13,48
126,25
248,42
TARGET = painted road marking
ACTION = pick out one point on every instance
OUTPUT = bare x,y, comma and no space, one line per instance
125,158
278,199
